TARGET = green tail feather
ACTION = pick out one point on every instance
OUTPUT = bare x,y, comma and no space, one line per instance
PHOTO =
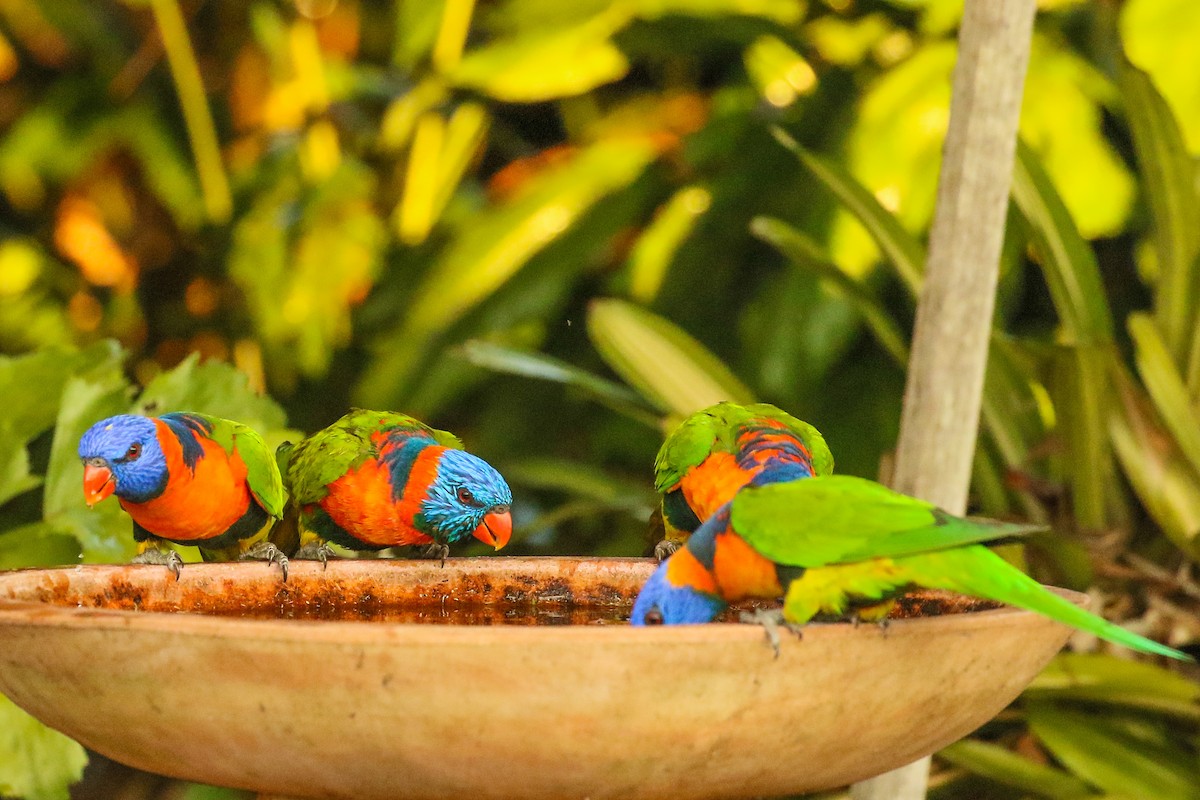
978,572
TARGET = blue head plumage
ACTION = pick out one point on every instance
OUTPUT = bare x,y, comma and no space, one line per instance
663,603
468,498
121,455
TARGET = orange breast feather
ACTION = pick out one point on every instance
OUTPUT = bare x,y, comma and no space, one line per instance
361,501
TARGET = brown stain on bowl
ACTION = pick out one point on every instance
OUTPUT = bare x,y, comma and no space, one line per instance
231,677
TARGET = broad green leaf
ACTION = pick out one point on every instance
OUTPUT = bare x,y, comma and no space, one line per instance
898,245
1107,680
805,254
660,360
1161,378
28,413
1003,765
547,368
655,248
15,477
548,64
494,246
211,387
1163,479
38,544
36,763
1119,758
1168,178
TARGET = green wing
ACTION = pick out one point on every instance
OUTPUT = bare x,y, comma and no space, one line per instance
839,519
717,428
262,473
330,453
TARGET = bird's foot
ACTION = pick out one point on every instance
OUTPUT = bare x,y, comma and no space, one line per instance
665,549
267,551
315,551
163,557
771,621
435,550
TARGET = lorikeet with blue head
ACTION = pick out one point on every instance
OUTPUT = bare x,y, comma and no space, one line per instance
187,478
836,544
378,479
717,451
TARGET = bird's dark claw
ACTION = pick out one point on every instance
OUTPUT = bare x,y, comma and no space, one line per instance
665,549
166,558
267,551
315,552
771,621
436,550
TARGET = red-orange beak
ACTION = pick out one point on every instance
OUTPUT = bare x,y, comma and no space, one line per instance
496,528
98,483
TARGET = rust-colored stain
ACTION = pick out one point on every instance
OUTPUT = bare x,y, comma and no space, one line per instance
487,591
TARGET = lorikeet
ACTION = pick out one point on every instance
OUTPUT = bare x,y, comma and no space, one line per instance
377,479
836,544
715,452
186,478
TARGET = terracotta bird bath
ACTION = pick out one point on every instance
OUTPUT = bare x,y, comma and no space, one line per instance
333,686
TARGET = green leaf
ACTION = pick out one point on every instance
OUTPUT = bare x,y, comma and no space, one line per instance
550,63
804,253
1162,478
660,360
1116,755
36,763
211,387
15,477
1004,766
28,413
1161,377
652,254
492,248
546,368
1168,178
903,251
1092,678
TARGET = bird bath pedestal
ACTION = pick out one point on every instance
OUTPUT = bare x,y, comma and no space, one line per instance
333,685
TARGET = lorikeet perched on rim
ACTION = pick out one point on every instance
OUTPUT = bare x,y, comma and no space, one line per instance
378,479
186,478
717,451
836,544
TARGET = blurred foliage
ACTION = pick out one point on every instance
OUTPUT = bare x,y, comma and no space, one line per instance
423,204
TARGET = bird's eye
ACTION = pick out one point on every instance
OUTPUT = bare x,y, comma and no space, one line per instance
465,497
133,452
653,617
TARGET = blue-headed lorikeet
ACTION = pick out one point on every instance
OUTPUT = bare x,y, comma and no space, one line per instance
187,478
378,479
717,451
834,544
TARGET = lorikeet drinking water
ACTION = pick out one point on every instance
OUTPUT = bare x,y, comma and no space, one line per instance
186,478
715,452
377,479
837,544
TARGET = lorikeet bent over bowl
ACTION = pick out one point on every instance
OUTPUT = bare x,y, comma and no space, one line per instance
377,479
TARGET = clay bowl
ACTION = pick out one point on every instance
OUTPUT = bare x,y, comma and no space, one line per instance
330,686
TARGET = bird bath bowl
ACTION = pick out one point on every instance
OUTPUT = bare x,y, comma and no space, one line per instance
333,686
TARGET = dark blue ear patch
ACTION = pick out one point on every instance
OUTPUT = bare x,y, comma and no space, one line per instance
187,429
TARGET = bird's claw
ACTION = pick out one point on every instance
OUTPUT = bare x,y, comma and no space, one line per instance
436,550
165,558
315,552
665,549
771,621
267,551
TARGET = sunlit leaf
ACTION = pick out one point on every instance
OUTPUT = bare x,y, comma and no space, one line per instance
651,256
543,367
661,360
1120,758
548,64
493,246
1160,38
900,247
1003,765
36,763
